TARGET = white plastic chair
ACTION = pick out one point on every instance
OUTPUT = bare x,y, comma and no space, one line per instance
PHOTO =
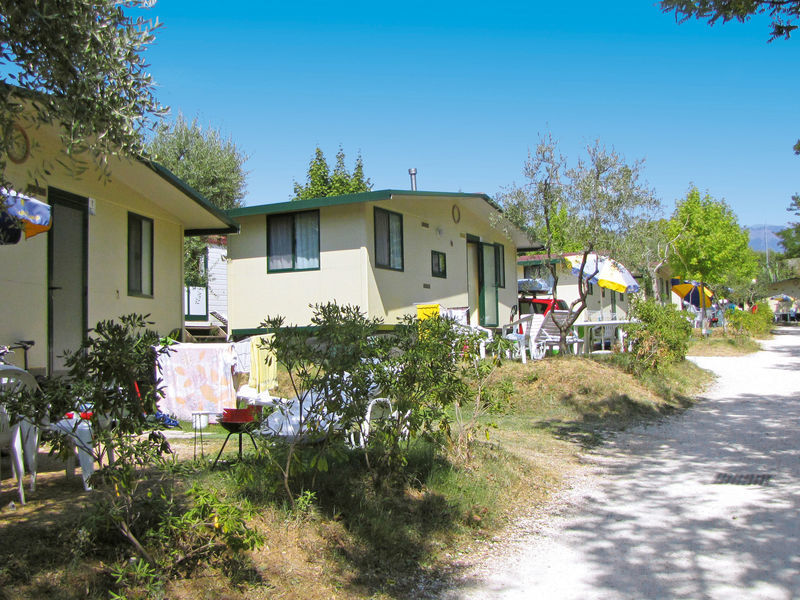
79,435
23,437
378,409
523,331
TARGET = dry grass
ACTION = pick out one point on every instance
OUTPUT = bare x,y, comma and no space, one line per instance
579,400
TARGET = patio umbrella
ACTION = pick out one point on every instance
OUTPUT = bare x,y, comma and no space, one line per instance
690,292
605,272
20,213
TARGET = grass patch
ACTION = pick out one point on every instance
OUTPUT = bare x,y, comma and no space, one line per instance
582,400
720,343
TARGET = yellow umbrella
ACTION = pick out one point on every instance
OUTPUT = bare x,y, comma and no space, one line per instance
690,291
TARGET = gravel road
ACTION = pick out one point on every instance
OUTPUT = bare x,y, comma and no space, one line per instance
704,505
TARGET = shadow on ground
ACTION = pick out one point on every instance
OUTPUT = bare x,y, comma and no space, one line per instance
659,527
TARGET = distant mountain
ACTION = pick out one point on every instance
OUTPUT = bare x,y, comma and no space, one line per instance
757,234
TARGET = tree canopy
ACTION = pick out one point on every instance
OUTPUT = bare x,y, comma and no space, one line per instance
204,159
321,182
209,163
713,247
783,13
81,64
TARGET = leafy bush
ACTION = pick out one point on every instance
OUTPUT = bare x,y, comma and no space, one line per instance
661,335
746,322
112,376
345,361
487,398
331,372
420,372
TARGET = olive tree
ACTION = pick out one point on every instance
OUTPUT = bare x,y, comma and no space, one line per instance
80,64
782,13
210,164
594,205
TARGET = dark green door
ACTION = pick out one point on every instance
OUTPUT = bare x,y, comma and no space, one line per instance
66,276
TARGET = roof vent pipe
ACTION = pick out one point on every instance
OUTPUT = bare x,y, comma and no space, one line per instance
413,173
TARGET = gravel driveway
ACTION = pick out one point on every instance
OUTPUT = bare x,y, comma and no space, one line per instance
704,505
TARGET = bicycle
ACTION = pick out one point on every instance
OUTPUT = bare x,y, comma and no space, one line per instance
23,345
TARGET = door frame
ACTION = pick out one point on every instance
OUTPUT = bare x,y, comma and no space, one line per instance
67,199
474,239
482,280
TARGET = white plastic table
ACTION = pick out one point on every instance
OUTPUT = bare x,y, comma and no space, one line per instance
80,432
587,330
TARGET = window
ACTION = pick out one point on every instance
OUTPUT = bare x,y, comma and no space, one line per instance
438,264
140,256
537,272
590,288
500,265
293,241
388,240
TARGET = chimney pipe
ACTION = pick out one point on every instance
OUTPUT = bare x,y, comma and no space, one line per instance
413,173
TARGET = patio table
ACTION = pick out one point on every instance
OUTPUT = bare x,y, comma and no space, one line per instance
589,325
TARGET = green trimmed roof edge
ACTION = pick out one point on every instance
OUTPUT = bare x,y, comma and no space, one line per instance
175,181
376,196
540,261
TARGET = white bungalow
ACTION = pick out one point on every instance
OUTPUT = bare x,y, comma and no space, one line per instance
115,247
384,251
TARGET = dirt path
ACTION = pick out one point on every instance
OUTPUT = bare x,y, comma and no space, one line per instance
649,517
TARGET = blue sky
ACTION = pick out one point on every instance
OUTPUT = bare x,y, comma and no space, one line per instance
461,91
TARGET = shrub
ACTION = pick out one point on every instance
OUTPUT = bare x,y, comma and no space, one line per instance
112,376
342,363
746,322
661,335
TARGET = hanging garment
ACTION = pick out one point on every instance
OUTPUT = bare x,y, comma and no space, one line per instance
263,365
197,377
243,359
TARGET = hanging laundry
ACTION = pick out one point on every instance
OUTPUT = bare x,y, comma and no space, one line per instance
263,365
197,377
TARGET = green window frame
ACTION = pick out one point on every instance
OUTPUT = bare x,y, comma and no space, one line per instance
388,228
293,242
140,256
438,264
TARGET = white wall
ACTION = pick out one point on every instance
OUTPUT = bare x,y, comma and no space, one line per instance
217,280
347,257
23,267
393,293
254,294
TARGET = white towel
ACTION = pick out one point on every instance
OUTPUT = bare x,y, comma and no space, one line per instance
197,377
